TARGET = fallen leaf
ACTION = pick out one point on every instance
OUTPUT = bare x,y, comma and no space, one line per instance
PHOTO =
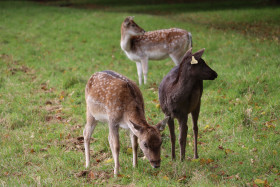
120,175
274,170
206,127
32,151
209,160
108,160
91,175
195,160
228,151
165,178
158,105
129,150
181,179
221,147
259,181
43,149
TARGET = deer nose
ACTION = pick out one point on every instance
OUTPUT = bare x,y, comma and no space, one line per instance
155,164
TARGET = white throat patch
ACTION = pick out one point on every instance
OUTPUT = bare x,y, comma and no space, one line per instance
194,61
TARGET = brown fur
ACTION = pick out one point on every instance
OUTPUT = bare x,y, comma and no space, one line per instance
180,94
115,99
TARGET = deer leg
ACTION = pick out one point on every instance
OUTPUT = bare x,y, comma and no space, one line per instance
134,145
145,69
176,58
195,115
172,137
139,72
90,125
114,145
183,137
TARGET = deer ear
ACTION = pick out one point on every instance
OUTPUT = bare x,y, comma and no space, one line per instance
136,129
126,21
161,125
198,54
131,17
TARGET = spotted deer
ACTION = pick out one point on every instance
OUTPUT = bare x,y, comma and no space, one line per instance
180,94
113,98
141,46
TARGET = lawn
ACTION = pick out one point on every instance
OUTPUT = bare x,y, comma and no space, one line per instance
48,52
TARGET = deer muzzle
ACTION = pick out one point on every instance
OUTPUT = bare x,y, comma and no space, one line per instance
155,164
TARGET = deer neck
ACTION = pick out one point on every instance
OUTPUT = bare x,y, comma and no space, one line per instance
186,83
136,115
126,42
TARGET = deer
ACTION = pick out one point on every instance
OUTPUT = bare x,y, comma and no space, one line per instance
113,98
180,93
141,46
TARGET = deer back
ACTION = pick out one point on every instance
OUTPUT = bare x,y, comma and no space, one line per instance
111,97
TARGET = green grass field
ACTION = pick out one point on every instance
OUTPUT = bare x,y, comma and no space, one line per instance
47,54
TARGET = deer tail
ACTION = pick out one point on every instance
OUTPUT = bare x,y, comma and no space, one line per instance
190,41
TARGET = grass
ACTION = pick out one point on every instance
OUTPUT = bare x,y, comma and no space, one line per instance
48,53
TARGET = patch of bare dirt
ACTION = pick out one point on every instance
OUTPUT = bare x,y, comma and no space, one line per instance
74,144
101,176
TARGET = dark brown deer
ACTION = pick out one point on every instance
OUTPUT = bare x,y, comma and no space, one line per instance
113,98
180,94
141,46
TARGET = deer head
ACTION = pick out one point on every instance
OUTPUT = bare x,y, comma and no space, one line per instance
194,66
131,28
149,140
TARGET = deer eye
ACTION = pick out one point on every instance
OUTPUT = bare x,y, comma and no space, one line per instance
133,25
145,145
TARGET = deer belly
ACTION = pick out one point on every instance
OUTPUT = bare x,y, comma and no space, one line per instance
97,110
157,55
101,117
133,56
123,125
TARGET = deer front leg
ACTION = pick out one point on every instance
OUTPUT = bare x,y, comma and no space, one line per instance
172,137
114,145
139,72
183,137
195,115
144,63
134,145
90,125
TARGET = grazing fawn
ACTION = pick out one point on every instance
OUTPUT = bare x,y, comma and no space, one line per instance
180,94
141,46
113,98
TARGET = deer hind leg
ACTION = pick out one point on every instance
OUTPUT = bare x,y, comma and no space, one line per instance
114,145
145,69
134,144
195,115
176,57
139,72
90,125
183,137
172,137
